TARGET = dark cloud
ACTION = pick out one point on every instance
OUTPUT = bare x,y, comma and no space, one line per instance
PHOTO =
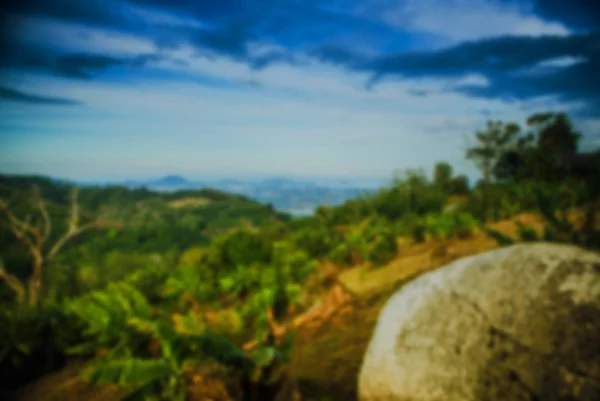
505,62
578,14
84,66
208,9
487,57
69,65
573,83
231,40
228,27
98,13
14,95
322,30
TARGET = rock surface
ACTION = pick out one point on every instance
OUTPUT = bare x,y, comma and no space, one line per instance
517,323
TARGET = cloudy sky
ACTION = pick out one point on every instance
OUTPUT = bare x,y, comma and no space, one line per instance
110,89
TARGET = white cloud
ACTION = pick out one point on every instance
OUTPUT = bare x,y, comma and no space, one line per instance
561,62
459,20
313,119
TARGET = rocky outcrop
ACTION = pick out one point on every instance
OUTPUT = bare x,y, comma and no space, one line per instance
517,323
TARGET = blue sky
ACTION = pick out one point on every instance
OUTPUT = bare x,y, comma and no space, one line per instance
112,89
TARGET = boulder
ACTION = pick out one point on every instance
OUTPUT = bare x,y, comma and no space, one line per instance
516,323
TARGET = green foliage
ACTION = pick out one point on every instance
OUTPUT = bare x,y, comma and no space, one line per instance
191,281
491,144
372,239
526,233
240,248
117,297
105,315
277,286
383,248
121,322
442,176
459,185
32,342
449,224
501,239
317,240
412,194
418,232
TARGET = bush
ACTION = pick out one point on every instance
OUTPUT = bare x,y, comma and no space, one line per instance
413,194
240,248
317,240
418,232
33,342
383,248
464,225
526,233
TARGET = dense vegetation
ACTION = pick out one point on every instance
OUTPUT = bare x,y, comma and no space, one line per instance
163,285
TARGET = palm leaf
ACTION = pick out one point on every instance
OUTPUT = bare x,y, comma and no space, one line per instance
127,372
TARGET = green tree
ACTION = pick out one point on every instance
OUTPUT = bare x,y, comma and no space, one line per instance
555,133
491,144
442,176
459,185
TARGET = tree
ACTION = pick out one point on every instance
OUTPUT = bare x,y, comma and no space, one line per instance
543,154
555,134
459,185
35,236
442,176
491,144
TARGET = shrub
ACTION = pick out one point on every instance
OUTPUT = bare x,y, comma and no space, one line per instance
418,232
464,225
33,342
318,241
526,233
383,248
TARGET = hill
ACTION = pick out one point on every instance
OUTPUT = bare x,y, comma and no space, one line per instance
338,342
297,197
141,207
145,221
165,313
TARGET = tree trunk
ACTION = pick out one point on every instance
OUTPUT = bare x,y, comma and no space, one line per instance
35,281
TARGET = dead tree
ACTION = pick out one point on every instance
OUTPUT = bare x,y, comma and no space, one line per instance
35,237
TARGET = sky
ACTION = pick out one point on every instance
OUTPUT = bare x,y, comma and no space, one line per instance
130,89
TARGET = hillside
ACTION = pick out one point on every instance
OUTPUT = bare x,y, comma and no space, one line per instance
143,207
144,221
185,294
297,197
338,342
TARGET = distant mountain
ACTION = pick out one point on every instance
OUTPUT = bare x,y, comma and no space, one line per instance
151,221
299,197
171,180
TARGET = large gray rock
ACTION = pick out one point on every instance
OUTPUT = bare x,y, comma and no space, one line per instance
517,323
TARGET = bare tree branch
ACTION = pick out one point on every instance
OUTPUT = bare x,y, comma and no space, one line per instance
74,220
13,282
47,222
22,229
36,236
74,231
